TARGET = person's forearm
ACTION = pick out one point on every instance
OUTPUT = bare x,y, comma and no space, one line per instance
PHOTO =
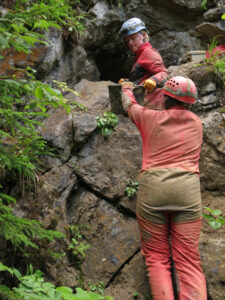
127,98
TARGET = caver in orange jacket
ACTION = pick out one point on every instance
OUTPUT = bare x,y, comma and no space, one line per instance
149,64
169,199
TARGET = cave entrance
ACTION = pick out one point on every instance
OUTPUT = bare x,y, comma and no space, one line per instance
113,65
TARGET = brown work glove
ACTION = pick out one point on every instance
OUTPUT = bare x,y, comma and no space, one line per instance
150,85
122,80
127,84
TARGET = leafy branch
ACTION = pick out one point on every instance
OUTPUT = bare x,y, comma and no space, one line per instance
19,231
20,28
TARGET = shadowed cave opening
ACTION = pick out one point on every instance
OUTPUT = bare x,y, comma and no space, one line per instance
113,65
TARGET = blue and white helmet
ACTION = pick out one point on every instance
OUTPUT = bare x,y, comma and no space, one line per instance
132,26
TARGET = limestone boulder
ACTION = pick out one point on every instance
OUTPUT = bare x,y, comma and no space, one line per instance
57,131
213,152
113,238
83,126
93,95
107,164
208,31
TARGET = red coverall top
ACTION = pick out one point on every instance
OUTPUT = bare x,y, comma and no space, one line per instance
149,64
170,138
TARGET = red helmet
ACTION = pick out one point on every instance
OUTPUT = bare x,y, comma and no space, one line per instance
181,88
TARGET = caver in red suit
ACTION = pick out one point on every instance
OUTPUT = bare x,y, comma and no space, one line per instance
148,68
149,65
169,199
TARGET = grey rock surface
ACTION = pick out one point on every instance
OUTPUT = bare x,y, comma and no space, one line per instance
83,126
107,164
57,131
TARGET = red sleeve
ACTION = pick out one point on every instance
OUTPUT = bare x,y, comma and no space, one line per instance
151,61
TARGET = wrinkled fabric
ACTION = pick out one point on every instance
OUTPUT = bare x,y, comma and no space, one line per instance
170,138
149,65
183,250
162,190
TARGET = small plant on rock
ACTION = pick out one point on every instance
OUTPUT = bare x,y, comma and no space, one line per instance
77,246
107,123
216,60
214,217
97,287
135,295
132,188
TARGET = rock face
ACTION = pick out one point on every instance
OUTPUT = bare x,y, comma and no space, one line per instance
83,187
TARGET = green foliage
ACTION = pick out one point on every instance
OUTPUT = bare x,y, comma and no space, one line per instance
7,294
132,188
216,61
146,296
135,295
214,218
219,66
21,232
97,287
64,88
18,28
23,106
21,145
212,45
107,123
203,4
33,287
77,246
4,268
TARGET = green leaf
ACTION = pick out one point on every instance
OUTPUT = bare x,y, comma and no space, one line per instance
208,217
45,24
7,198
215,224
81,294
203,4
39,93
208,209
217,212
4,43
51,91
30,39
5,268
